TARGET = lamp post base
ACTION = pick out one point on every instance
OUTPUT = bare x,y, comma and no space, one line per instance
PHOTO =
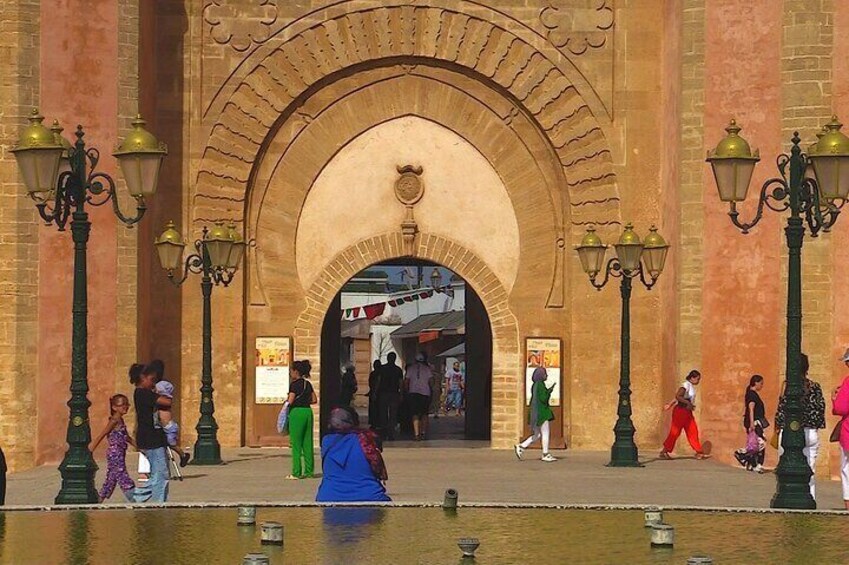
793,495
207,452
77,483
624,456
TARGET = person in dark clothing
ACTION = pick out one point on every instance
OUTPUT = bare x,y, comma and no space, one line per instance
2,478
754,422
373,407
150,439
389,395
348,387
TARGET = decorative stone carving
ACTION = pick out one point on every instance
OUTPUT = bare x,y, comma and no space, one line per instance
409,189
240,24
578,25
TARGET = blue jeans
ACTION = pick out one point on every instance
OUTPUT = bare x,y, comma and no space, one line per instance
157,484
454,399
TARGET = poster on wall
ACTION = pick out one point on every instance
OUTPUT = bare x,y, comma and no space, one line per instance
543,352
273,355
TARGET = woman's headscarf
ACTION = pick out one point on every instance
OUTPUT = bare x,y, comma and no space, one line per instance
540,374
344,421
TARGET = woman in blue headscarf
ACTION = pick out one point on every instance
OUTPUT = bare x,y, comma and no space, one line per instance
352,466
540,417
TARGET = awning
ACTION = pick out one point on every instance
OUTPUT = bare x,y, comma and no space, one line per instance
456,351
445,323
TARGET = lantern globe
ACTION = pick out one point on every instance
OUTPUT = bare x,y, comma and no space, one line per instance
629,249
65,160
140,156
733,163
38,155
218,244
591,252
169,247
830,159
237,251
655,250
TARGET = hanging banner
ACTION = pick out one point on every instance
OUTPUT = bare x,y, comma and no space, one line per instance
273,357
543,352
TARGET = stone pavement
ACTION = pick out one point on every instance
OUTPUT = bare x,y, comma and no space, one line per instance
420,472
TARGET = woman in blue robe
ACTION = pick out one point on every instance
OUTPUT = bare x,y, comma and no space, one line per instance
352,466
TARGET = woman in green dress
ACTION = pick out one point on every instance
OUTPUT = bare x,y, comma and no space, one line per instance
541,416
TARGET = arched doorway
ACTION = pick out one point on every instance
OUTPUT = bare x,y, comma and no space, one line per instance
373,315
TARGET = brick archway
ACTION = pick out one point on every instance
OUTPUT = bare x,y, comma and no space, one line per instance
506,380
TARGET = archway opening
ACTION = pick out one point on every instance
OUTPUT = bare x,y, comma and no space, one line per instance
406,308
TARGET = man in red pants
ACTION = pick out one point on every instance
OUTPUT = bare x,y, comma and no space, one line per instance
683,418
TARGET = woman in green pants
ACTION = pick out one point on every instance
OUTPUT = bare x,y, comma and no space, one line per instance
301,396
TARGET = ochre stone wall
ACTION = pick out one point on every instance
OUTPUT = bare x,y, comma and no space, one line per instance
589,112
19,233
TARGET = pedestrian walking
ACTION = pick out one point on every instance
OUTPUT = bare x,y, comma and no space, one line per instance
683,418
150,439
301,398
117,439
373,396
348,387
540,417
455,383
389,395
813,418
840,400
754,422
418,384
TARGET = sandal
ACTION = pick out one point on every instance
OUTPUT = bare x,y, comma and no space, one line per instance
665,455
702,456
292,477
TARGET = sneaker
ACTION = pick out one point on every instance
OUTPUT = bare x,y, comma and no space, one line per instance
519,451
548,458
184,459
758,469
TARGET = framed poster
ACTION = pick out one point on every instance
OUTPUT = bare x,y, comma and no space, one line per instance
543,352
273,356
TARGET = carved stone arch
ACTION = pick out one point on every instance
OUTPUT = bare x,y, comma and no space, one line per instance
506,381
299,152
298,67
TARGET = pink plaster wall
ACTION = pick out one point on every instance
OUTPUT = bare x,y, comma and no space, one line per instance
79,85
743,294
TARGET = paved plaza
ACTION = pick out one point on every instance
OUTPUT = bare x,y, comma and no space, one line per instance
420,472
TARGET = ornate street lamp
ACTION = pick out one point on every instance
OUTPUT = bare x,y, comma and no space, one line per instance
61,179
817,202
217,257
634,258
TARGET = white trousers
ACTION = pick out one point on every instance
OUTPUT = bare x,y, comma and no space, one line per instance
543,431
844,472
811,450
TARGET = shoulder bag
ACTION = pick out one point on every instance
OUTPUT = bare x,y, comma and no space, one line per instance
283,416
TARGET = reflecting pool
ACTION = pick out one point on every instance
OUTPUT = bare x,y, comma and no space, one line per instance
377,536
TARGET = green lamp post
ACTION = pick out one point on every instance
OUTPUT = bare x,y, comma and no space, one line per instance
217,257
62,180
634,258
812,201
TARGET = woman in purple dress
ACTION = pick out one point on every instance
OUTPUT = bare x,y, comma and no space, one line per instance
116,451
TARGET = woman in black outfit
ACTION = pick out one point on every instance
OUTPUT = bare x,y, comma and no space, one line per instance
754,422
